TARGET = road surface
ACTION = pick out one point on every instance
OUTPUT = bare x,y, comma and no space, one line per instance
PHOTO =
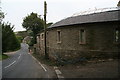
22,65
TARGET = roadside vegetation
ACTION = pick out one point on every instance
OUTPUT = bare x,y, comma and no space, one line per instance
20,38
3,56
33,23
21,35
9,39
118,4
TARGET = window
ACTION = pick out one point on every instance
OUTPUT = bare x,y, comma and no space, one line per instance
42,40
82,36
58,36
116,35
42,36
47,32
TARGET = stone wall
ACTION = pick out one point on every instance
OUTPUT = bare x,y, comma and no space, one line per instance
100,39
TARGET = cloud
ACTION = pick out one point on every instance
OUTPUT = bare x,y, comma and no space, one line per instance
57,9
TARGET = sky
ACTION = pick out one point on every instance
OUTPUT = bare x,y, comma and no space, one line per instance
17,10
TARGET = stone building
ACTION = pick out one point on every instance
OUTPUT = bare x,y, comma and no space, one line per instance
88,35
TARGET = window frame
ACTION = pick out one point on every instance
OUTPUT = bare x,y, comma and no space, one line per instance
116,40
83,36
42,36
59,36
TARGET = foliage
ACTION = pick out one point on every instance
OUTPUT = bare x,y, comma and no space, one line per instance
9,40
1,16
118,4
3,56
21,33
49,24
31,43
20,38
34,23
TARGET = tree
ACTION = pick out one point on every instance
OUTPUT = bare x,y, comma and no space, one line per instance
49,24
33,23
1,15
118,3
21,33
9,40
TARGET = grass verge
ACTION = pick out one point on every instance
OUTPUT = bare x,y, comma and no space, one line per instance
3,56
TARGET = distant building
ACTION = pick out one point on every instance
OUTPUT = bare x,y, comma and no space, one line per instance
27,39
118,4
83,36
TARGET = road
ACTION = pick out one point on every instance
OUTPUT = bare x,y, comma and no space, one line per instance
22,65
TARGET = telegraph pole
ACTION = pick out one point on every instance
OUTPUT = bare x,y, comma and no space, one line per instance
45,11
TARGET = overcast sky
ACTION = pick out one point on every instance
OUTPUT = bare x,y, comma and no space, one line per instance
16,10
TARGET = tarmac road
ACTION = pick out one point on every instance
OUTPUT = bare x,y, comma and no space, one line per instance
22,65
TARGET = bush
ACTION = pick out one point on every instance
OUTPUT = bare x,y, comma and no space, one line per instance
31,42
20,38
3,56
9,40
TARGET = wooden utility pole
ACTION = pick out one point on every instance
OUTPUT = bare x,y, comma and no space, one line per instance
45,11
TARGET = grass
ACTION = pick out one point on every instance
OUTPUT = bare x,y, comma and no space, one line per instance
3,56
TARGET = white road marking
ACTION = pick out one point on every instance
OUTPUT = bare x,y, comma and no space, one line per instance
55,67
34,58
10,64
58,72
59,76
19,56
43,67
39,63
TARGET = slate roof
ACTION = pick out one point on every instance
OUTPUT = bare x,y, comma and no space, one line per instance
113,15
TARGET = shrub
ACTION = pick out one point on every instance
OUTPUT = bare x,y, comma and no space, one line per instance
9,40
